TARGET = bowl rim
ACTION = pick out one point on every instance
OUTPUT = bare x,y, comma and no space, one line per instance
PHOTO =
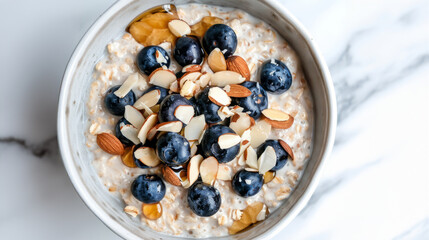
64,143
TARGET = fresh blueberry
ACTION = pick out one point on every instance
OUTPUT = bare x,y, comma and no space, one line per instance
210,146
247,184
116,105
188,50
204,200
168,107
207,107
275,77
151,58
173,149
162,91
148,188
220,36
122,122
280,153
255,103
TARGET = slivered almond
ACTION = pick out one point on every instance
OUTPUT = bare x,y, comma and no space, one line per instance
223,78
195,128
259,133
235,90
184,113
130,132
126,87
110,144
188,76
228,140
149,99
173,126
170,176
287,148
204,79
149,123
219,96
239,65
179,27
191,68
224,172
189,89
208,170
216,60
240,122
147,156
162,77
193,169
267,160
134,116
251,158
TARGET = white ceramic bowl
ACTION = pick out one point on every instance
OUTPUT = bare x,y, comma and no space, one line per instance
74,94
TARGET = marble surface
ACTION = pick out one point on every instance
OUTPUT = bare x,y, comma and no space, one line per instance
375,185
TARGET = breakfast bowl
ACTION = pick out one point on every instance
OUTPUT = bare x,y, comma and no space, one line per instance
73,118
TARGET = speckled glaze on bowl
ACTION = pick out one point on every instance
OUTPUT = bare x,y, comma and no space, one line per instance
74,94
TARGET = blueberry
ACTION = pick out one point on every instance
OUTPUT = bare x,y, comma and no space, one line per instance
147,60
220,36
188,50
116,105
204,200
210,146
122,122
275,77
254,103
247,184
168,107
280,153
173,149
207,107
162,91
148,188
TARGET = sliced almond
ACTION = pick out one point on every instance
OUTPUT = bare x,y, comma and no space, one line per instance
208,170
287,148
194,148
216,60
192,68
267,160
280,124
147,156
130,132
239,65
223,78
149,99
184,113
134,116
251,169
235,90
228,140
259,133
224,112
126,87
149,123
251,158
195,128
152,133
160,58
146,110
193,169
219,96
170,176
110,144
188,76
173,126
189,89
179,27
224,172
245,141
162,77
276,115
204,79
174,87
240,122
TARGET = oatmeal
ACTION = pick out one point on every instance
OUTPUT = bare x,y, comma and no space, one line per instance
287,118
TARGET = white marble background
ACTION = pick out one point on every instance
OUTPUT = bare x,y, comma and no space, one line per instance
375,186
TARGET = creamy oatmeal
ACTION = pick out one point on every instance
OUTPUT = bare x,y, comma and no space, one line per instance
257,43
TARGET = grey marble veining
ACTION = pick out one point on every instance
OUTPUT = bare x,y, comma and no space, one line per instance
375,186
